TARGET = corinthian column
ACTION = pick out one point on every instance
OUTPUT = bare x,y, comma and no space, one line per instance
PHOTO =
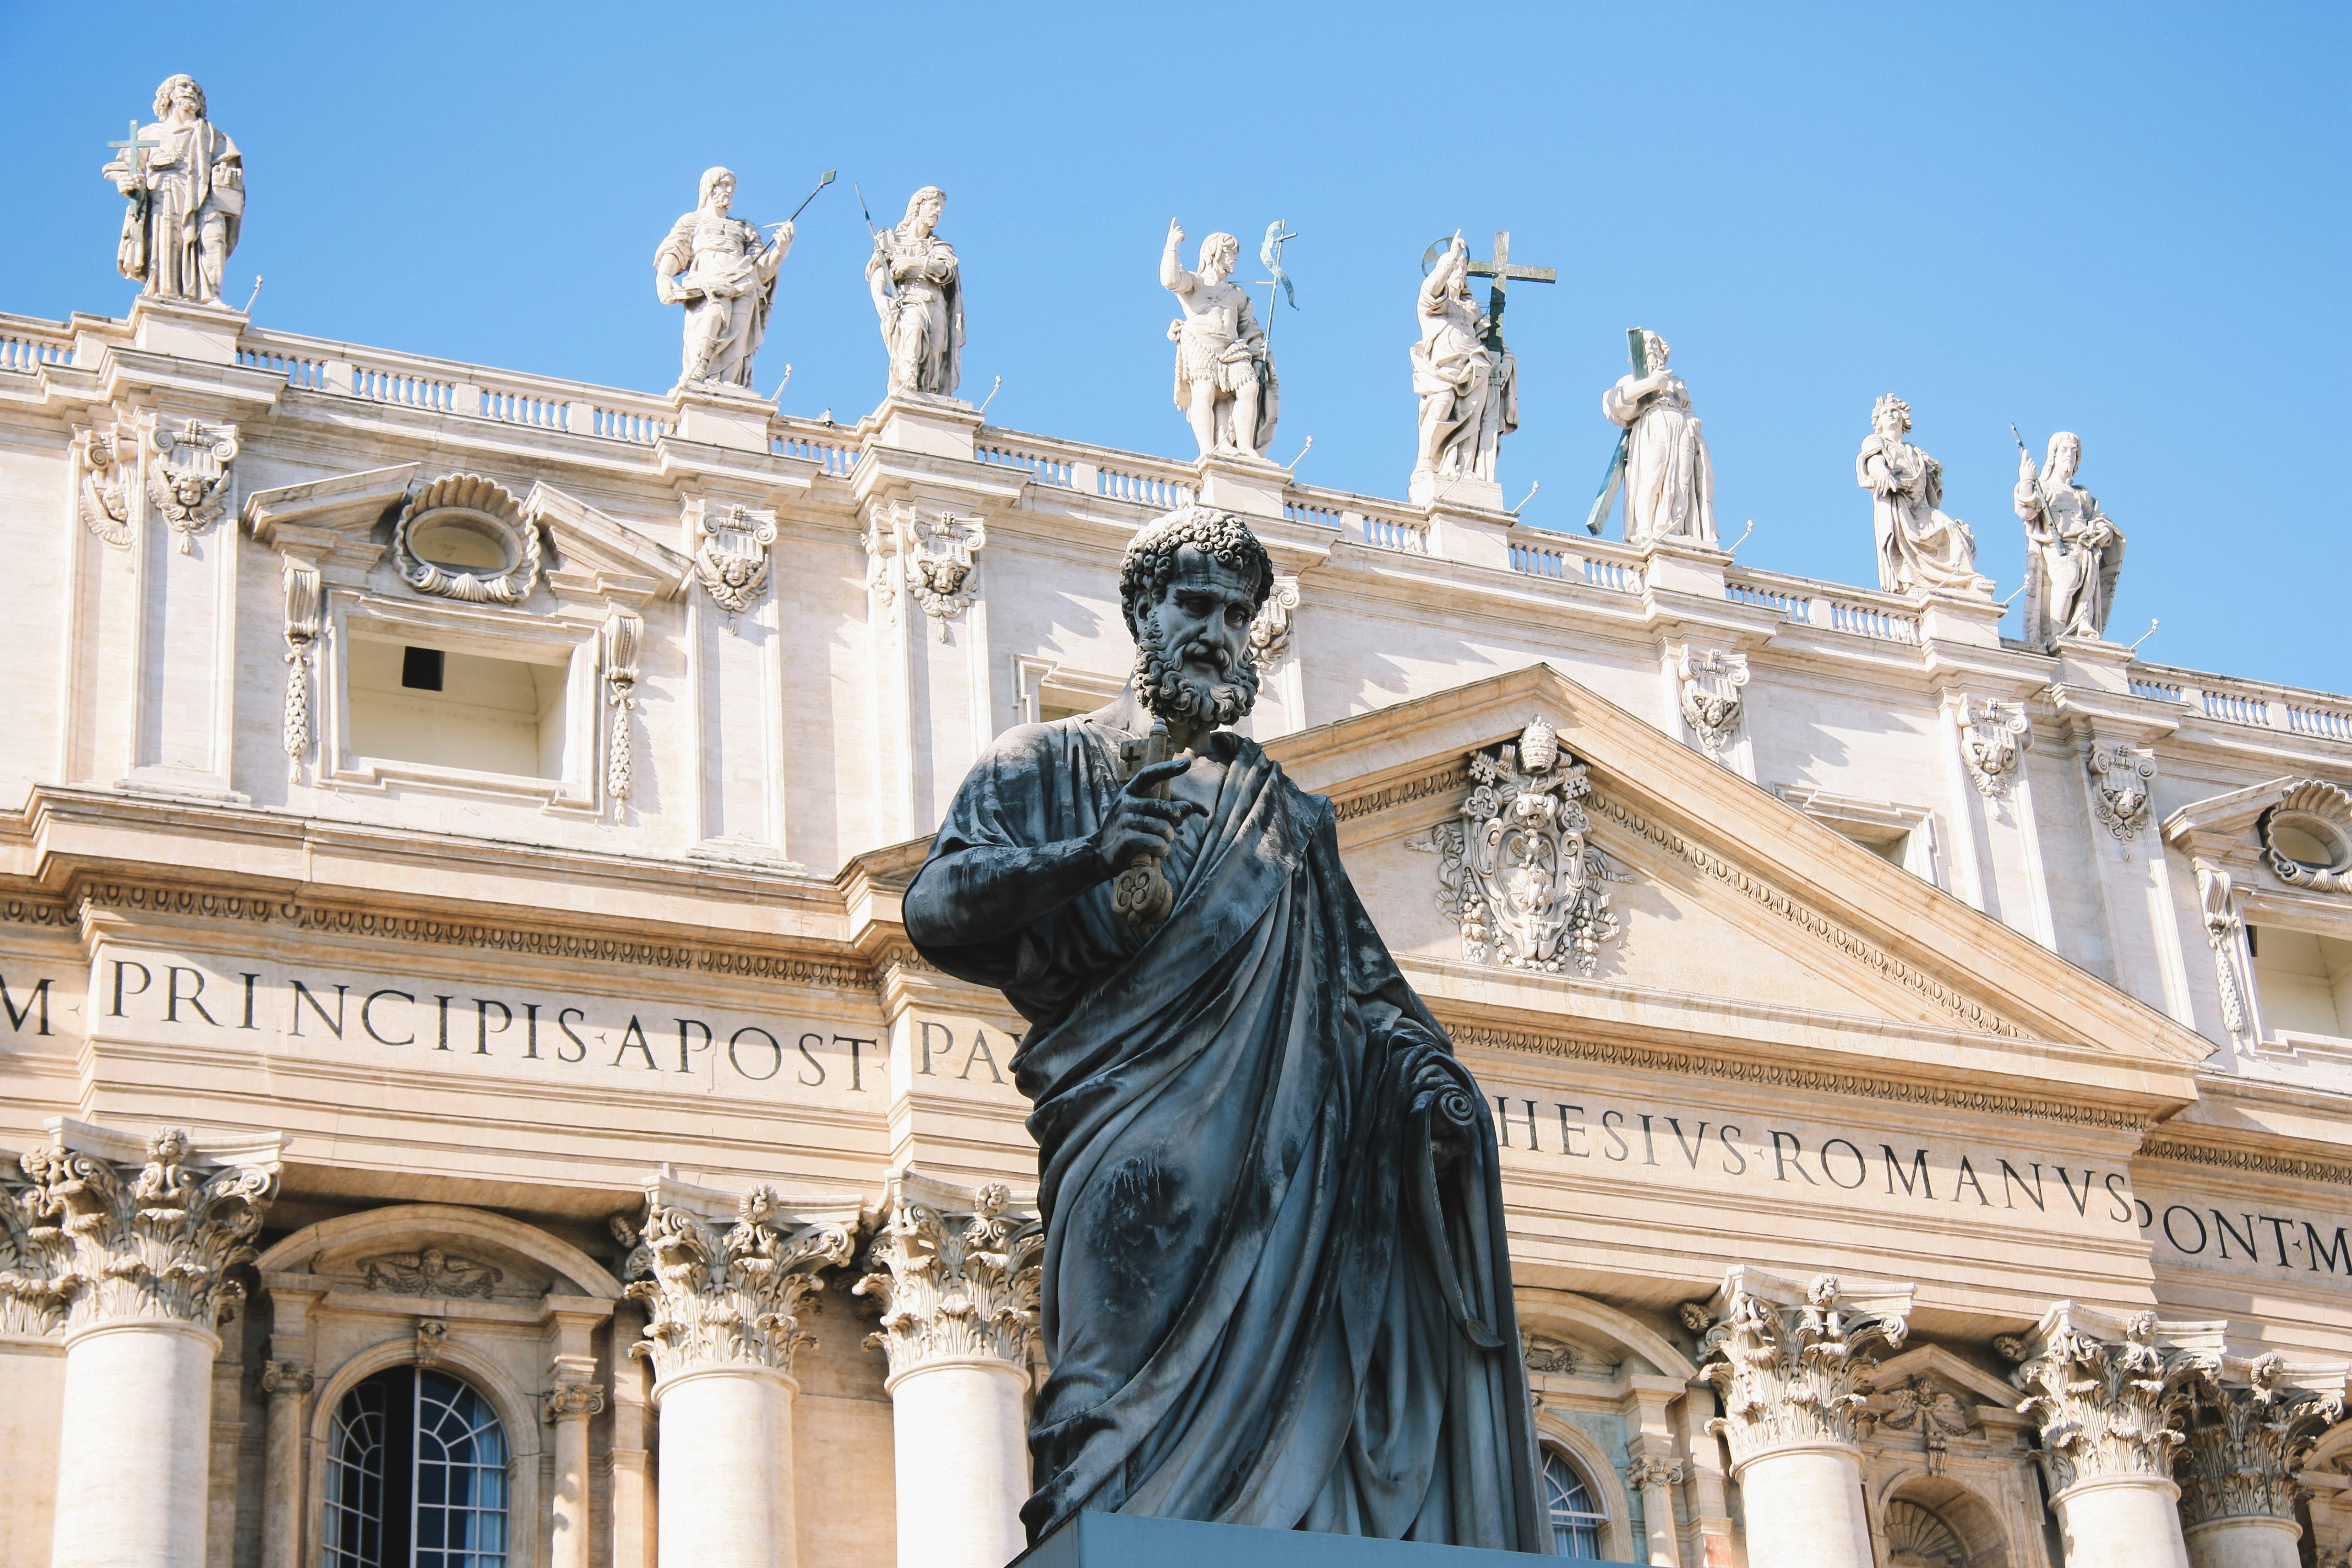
2248,1433
1786,1362
2107,1395
146,1251
956,1279
725,1304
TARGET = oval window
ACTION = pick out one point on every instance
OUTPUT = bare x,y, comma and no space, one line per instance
459,545
2308,841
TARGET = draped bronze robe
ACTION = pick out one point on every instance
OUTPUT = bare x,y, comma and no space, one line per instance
1265,1300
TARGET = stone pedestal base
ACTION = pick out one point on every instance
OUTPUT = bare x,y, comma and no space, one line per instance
186,329
132,1455
939,426
1805,1509
1250,486
1124,1540
2256,1542
2123,1522
1460,491
727,1468
734,417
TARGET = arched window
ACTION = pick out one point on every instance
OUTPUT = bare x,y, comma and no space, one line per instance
1576,1517
416,1476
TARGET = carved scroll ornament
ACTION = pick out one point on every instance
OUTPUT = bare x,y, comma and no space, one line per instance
2121,778
1994,739
102,493
1514,872
2245,1441
1711,683
731,550
188,480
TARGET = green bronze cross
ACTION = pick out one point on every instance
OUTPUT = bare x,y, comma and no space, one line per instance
1501,271
132,148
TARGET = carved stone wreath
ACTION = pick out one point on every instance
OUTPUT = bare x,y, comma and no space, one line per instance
1515,873
2313,815
484,507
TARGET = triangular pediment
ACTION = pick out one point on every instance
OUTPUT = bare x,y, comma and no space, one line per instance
597,555
1739,918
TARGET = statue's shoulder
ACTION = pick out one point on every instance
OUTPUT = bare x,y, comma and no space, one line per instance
1030,747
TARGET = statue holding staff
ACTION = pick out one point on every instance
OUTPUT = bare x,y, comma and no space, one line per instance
917,290
2073,552
1668,476
717,268
1224,374
1453,372
184,180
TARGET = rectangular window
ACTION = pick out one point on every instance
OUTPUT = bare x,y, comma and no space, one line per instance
449,709
2304,980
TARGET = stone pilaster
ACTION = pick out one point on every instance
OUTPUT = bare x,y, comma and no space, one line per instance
142,1234
2107,1395
287,1383
1787,1361
957,1277
2247,1434
572,1404
725,1304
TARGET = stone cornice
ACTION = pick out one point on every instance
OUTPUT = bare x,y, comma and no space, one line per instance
2260,1161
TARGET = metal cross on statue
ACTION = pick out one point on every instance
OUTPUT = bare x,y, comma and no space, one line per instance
132,148
1501,271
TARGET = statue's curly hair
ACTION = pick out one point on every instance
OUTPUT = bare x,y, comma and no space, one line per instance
1150,561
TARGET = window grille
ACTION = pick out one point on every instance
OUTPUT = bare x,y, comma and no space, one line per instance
416,1476
1576,1521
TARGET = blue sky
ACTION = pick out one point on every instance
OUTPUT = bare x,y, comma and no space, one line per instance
2129,221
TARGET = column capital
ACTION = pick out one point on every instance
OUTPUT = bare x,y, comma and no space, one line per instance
956,1274
721,1295
34,1257
574,1401
2107,1392
1787,1359
287,1379
150,1240
2249,1431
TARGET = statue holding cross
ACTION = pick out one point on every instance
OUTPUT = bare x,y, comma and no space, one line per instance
1467,379
184,182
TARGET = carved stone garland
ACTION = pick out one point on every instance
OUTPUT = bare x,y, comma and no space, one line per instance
731,552
1788,1374
1269,636
732,1300
622,635
954,1287
1994,739
2323,812
188,480
477,506
103,491
302,594
1516,872
2246,1442
2120,779
2105,1409
153,1243
2225,933
1711,682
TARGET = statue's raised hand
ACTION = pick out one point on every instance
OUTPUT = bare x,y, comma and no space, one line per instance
1175,232
1141,822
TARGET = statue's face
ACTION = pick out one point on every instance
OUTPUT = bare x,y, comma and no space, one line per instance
2064,460
187,101
1194,659
930,209
722,194
1888,421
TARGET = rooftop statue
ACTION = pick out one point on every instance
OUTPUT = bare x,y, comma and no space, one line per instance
1224,373
917,289
1469,391
1275,1290
2073,552
1918,546
717,268
1669,480
185,182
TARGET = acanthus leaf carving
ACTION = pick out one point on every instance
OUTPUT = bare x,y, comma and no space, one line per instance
1788,1364
2245,1441
1710,682
1516,872
956,1280
188,480
733,1298
34,1256
153,1242
2107,1404
2121,777
1994,739
732,550
103,486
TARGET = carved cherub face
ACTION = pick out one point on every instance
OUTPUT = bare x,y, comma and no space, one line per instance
190,489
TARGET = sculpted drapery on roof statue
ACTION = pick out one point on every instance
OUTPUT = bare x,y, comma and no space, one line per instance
2073,552
1469,390
185,180
1276,1289
1669,480
715,266
918,290
1224,372
1918,546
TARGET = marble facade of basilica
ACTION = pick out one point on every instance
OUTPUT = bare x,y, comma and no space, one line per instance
458,1018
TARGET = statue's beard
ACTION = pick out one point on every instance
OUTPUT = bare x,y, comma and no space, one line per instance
1171,690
